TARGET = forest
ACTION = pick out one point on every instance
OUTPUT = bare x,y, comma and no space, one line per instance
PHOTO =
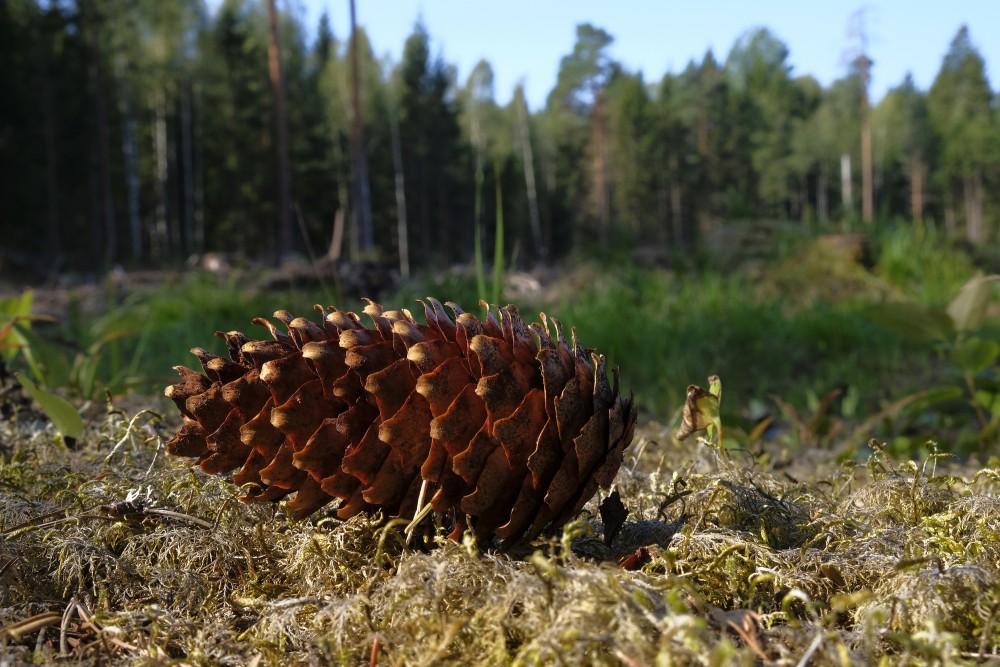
140,133
430,487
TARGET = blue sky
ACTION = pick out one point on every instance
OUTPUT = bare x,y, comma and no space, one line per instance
524,40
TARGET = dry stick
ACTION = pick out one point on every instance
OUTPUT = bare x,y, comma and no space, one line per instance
180,515
64,626
156,453
986,630
28,625
421,512
813,647
3,568
8,531
84,613
218,516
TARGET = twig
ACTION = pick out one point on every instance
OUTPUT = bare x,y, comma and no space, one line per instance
28,625
40,517
128,433
64,626
3,568
218,515
813,647
981,657
298,602
183,517
421,512
156,453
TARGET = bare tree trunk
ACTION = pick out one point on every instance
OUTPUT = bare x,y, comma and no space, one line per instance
160,240
285,236
676,208
662,196
599,161
524,137
402,233
343,199
846,197
109,228
52,237
950,218
199,177
187,171
978,201
822,206
362,207
972,189
867,189
917,190
130,152
336,249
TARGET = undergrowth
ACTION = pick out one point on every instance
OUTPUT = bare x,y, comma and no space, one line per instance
113,553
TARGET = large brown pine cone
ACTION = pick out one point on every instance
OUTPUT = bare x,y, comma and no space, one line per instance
491,421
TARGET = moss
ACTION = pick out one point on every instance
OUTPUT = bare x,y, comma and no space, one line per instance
736,564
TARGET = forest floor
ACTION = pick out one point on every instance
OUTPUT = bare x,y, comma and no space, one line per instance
833,532
112,552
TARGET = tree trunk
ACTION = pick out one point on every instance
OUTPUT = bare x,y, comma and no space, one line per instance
950,219
402,234
972,190
676,208
52,236
822,207
199,176
599,166
867,189
160,240
524,138
846,197
108,229
130,153
917,190
362,207
285,237
187,172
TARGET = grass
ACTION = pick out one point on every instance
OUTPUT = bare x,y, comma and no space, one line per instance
796,323
789,323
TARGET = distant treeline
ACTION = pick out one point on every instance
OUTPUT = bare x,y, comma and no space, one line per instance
142,132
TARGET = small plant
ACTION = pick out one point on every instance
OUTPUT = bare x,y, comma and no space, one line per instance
960,332
18,341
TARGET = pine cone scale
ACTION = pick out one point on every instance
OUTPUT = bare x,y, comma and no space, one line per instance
506,423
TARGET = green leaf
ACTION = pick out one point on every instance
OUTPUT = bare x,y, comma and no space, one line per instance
47,362
936,396
969,307
990,401
64,416
975,354
18,306
912,321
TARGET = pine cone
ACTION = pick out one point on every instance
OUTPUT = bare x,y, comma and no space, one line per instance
493,420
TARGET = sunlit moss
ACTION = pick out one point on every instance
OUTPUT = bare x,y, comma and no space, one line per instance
734,563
